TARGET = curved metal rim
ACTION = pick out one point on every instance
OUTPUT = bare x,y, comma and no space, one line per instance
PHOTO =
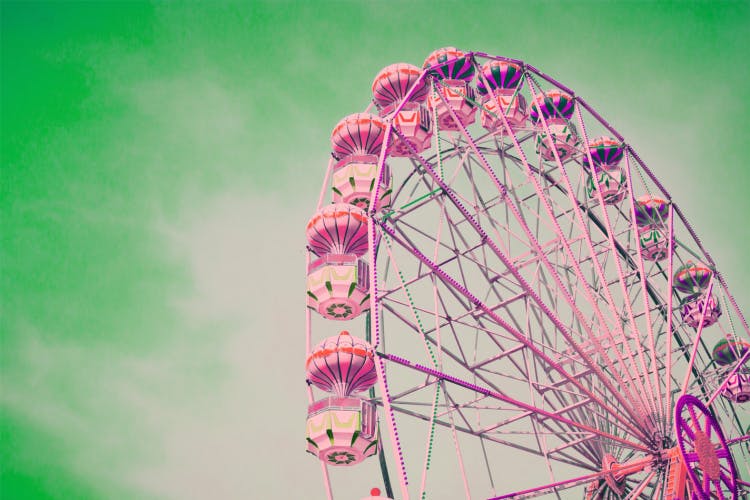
690,400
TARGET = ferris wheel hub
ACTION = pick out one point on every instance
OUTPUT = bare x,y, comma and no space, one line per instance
707,456
613,479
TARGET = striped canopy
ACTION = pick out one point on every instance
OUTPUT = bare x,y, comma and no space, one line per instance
457,66
554,104
339,228
728,351
692,277
342,364
499,75
604,151
394,81
358,134
651,210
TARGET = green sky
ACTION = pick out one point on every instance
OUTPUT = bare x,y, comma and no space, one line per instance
159,161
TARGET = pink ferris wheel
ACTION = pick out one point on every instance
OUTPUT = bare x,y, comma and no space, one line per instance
505,302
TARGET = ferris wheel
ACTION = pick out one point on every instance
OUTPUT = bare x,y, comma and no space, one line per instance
497,283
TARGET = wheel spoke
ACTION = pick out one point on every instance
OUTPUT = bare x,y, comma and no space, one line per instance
719,490
694,418
514,402
705,483
687,430
727,481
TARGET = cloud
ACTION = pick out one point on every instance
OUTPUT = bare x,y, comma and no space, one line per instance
203,414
